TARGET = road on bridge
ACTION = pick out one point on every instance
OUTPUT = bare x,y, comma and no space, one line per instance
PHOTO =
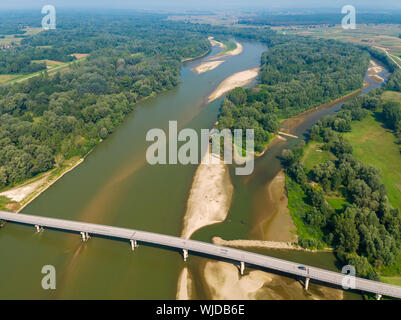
219,252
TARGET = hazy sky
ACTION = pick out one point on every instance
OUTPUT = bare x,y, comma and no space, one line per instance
204,4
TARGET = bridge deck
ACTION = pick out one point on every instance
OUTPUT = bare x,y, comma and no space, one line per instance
249,258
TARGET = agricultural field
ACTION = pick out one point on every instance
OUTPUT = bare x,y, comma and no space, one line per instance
8,77
382,35
14,39
52,67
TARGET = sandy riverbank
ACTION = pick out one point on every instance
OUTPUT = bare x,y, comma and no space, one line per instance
209,198
276,223
207,66
216,60
280,245
238,49
27,192
224,282
215,42
374,70
238,79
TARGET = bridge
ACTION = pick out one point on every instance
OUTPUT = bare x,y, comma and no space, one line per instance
218,252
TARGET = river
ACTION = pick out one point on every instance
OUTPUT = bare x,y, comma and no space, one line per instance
116,186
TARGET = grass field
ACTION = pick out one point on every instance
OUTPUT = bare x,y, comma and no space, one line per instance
313,155
337,203
377,146
391,96
392,280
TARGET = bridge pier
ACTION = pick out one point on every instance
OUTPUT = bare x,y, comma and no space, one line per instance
85,236
378,296
185,254
242,268
306,283
38,228
134,244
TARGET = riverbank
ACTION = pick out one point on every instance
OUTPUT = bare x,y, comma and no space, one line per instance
279,245
238,50
238,79
197,57
276,223
21,195
216,60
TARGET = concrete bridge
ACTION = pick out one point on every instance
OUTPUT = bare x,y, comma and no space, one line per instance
218,252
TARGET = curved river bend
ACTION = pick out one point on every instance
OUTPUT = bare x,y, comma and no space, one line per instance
116,186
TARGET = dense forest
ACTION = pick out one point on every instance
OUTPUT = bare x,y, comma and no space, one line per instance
47,119
296,76
316,19
366,232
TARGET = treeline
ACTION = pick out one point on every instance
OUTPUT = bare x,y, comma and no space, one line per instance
366,233
48,119
316,19
296,76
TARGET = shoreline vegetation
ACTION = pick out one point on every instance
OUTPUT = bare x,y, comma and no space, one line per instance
367,131
16,198
286,125
247,291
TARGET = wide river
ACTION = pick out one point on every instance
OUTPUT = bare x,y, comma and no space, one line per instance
116,186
